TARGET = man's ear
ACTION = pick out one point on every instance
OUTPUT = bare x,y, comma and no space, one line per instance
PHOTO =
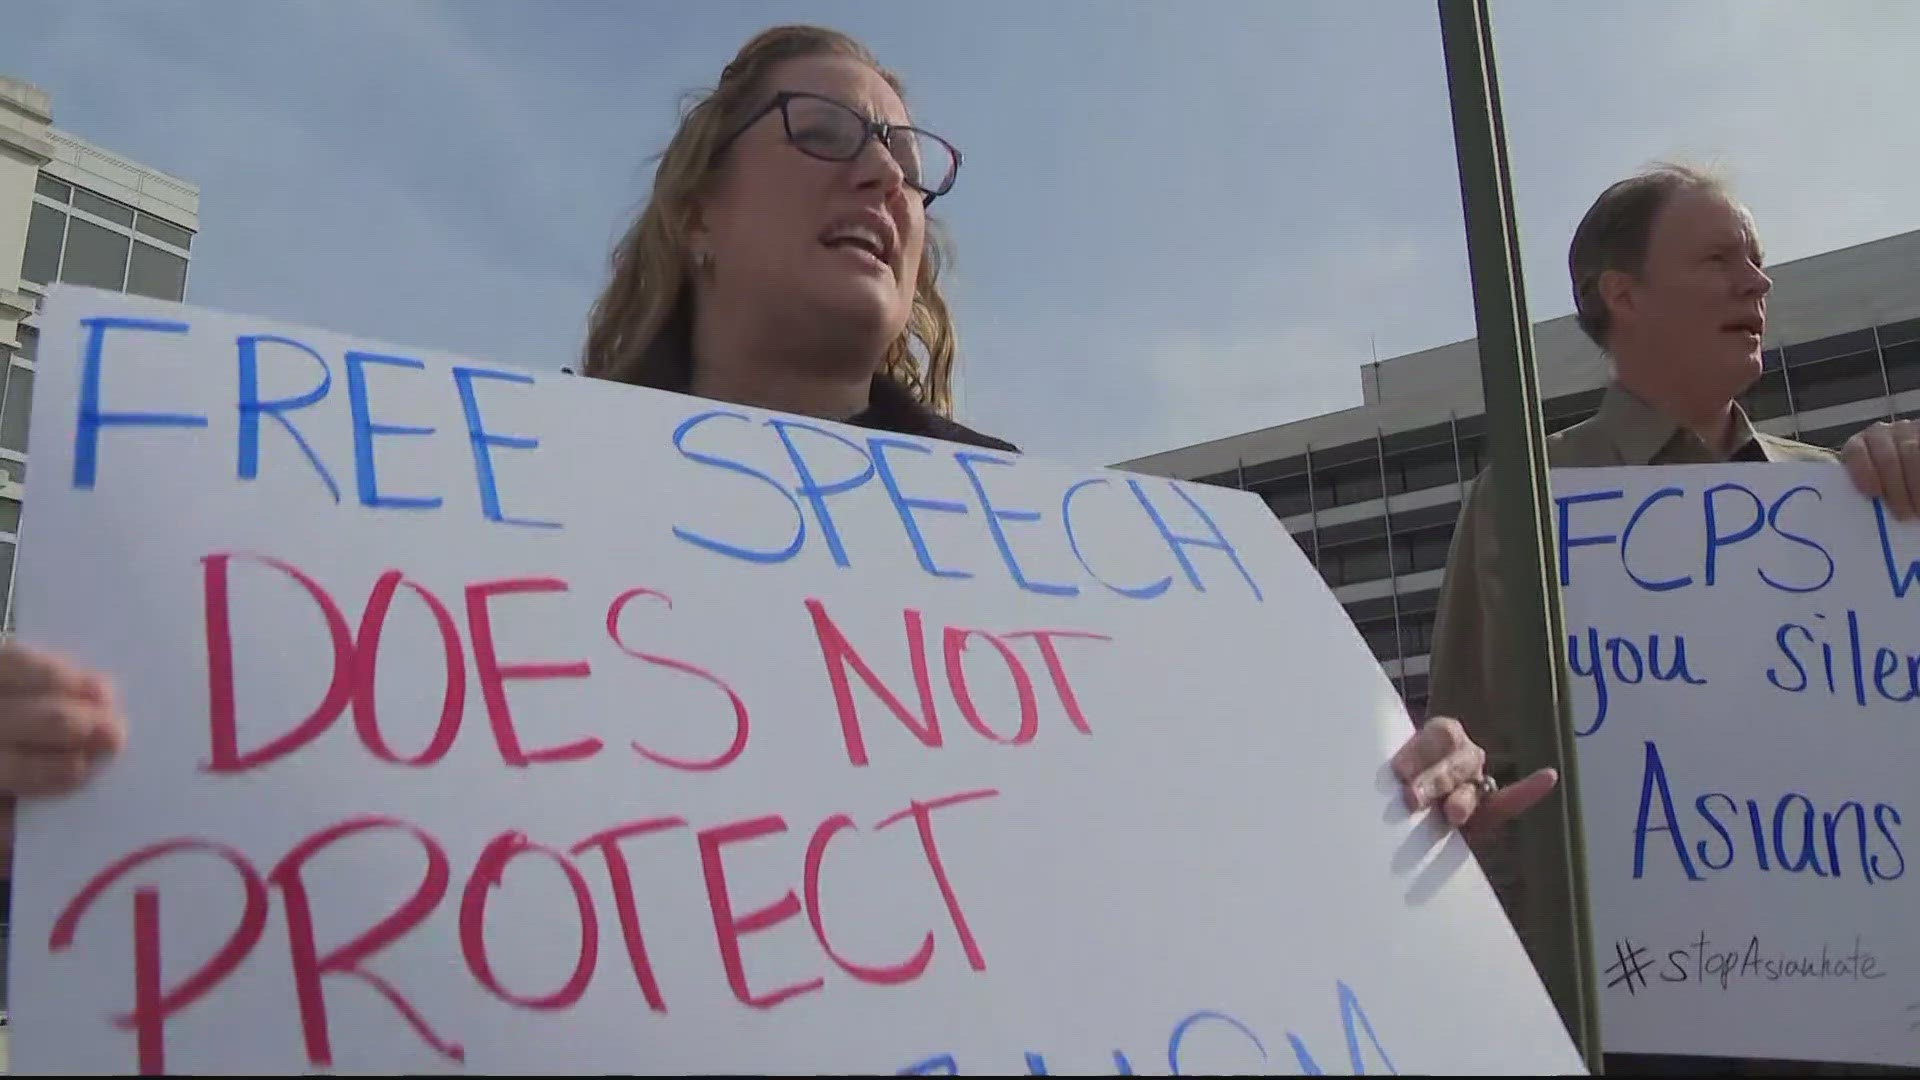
1617,292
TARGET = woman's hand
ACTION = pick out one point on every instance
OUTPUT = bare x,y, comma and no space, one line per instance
58,724
1440,766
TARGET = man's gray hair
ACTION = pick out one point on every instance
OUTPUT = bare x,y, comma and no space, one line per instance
1616,231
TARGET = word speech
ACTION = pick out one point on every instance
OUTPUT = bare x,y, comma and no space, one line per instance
1744,646
486,719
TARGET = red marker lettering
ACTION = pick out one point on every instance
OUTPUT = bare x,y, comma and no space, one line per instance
608,842
493,674
309,968
1058,672
224,728
905,971
152,1005
839,654
922,814
739,743
956,645
453,699
487,874
728,928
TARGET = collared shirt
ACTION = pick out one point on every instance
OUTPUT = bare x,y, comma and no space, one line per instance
1466,683
1464,676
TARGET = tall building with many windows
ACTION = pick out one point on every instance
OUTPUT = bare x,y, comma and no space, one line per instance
1371,493
69,211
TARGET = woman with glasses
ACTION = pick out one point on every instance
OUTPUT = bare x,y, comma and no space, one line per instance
783,261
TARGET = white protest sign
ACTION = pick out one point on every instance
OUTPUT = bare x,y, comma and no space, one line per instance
502,721
1745,651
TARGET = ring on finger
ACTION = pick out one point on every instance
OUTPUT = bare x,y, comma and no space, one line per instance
1486,785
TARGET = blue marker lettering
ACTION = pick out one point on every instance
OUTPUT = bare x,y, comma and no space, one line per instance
252,408
1626,537
1717,540
1139,592
1656,774
812,490
484,441
87,425
1773,522
1809,854
1179,543
1568,541
1880,813
720,547
905,506
1833,838
1887,663
364,429
1726,838
1595,671
995,516
1898,580
1859,669
939,1064
1773,675
1180,1035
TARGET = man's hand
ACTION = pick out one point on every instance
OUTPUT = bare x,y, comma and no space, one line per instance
1441,766
1884,461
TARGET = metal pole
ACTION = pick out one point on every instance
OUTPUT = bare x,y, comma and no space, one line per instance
1535,644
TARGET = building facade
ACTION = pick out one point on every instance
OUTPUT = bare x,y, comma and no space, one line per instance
69,211
1372,493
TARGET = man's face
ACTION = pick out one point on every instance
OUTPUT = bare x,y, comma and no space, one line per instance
1694,316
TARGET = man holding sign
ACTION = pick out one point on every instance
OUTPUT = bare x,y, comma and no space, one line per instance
1667,278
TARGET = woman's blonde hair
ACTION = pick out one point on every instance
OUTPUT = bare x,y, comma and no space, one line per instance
640,328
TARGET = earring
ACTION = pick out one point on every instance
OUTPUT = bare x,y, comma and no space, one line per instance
703,260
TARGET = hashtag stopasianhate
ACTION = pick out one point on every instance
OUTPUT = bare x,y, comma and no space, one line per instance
1712,964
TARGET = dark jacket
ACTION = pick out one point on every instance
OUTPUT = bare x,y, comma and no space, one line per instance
891,408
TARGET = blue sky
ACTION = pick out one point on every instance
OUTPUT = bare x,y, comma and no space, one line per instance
1175,221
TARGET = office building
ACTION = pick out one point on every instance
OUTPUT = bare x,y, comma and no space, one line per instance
1372,493
69,211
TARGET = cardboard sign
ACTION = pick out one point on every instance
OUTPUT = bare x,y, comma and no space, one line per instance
1745,648
497,721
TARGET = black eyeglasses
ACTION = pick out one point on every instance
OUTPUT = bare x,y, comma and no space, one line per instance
823,128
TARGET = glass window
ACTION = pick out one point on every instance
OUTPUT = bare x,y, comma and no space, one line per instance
95,256
1422,549
9,515
57,190
1287,496
1418,469
6,579
1836,382
102,208
1473,455
44,230
1351,563
29,342
1903,366
13,470
164,231
159,274
1416,634
1768,397
1380,638
1356,481
16,406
